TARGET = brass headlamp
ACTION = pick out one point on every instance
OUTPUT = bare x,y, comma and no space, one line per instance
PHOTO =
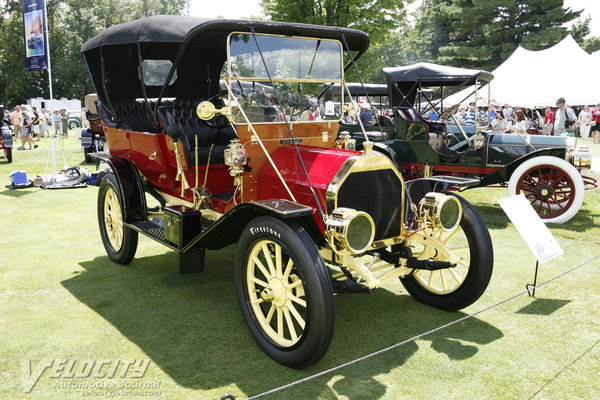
440,211
349,229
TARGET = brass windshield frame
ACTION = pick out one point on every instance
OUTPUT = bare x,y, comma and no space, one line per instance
228,77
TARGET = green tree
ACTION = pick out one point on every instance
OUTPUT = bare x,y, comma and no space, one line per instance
378,18
70,24
422,41
485,32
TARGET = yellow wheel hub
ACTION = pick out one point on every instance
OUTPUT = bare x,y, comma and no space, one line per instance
443,246
113,219
276,293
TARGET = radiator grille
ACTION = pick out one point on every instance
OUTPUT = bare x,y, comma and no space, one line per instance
378,193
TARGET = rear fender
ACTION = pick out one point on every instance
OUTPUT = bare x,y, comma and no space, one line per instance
130,186
503,174
227,229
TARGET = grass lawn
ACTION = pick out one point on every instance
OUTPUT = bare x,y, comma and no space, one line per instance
61,299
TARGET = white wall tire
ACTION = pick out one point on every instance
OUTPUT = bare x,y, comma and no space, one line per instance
552,185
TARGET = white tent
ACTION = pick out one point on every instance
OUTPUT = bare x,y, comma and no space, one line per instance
537,78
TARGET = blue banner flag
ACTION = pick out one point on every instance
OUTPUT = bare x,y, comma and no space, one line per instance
36,41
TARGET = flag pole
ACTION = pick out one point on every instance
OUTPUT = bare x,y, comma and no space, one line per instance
48,49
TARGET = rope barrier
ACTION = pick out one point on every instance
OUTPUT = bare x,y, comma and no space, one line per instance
394,346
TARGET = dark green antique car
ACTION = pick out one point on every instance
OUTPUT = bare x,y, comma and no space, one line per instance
545,168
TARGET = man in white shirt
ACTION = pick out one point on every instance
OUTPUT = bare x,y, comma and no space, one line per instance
562,114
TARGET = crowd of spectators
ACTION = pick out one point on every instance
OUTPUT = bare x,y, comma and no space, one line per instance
583,120
29,125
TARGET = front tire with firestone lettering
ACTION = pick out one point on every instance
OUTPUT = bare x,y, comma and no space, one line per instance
284,291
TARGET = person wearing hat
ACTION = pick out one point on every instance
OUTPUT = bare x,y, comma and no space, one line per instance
366,116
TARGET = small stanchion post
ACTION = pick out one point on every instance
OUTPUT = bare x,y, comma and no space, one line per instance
534,284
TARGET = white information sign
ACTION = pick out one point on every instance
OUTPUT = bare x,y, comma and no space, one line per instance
329,108
536,234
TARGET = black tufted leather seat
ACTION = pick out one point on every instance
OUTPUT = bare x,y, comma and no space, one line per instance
134,115
180,114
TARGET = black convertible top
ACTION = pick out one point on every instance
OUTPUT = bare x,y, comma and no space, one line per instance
435,74
196,47
179,29
406,82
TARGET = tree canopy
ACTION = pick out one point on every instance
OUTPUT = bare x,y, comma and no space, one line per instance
70,24
484,33
462,33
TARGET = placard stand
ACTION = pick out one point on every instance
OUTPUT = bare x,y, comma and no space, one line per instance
532,229
534,284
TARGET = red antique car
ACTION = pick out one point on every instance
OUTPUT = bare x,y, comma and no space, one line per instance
196,167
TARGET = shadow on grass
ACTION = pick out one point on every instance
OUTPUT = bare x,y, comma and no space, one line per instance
543,306
191,327
16,193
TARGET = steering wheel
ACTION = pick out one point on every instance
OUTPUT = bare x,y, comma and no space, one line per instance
450,137
448,111
209,114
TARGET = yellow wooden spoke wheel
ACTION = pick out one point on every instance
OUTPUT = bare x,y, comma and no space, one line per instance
276,293
469,247
284,291
113,219
447,280
120,241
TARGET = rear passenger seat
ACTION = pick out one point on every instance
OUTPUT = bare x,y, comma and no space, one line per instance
181,114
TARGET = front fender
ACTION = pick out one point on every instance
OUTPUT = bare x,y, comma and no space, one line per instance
227,229
503,174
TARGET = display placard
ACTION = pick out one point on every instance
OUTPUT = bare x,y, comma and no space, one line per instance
536,234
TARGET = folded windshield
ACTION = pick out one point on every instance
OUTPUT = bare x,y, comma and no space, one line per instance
300,69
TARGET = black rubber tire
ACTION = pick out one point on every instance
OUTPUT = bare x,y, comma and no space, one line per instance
8,154
73,125
316,336
480,266
86,153
126,252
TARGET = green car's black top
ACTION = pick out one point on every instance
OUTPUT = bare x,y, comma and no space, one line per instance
403,81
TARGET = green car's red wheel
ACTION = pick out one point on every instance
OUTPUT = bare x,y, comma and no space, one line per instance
553,186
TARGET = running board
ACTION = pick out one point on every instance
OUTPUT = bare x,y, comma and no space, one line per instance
154,231
189,262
